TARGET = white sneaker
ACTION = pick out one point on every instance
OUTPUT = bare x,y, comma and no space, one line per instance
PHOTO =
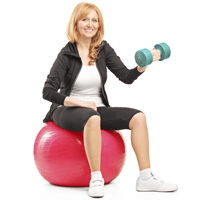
96,187
154,184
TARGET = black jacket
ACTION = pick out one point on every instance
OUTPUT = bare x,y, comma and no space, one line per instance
67,66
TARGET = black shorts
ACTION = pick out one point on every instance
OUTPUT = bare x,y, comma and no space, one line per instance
74,118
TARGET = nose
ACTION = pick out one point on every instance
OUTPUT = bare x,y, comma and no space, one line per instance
89,23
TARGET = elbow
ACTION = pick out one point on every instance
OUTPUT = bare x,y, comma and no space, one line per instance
130,81
127,81
45,93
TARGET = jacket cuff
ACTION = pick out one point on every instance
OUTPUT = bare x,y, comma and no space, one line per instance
134,74
58,98
53,96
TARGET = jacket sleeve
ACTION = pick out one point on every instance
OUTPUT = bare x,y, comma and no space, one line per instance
53,81
117,67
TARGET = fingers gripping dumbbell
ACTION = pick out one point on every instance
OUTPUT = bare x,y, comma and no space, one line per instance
144,57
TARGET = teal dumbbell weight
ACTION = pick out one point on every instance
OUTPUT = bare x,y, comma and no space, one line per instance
144,57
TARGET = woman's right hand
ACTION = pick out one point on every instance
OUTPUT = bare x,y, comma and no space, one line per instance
69,101
87,104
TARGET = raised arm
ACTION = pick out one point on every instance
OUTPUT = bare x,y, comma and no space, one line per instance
117,67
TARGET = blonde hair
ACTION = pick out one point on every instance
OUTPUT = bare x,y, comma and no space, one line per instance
80,12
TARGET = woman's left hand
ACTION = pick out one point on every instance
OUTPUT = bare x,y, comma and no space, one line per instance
155,54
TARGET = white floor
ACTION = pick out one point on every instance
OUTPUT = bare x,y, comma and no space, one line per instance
34,187
21,179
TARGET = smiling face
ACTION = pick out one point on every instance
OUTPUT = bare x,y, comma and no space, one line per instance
88,26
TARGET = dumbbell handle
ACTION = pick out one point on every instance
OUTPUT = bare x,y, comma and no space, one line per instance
154,54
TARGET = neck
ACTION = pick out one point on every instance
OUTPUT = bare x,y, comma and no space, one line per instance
84,43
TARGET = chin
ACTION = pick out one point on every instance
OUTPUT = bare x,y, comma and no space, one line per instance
86,36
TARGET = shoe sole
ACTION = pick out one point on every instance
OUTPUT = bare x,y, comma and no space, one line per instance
155,190
96,194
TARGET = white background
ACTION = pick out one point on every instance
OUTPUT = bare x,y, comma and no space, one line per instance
33,33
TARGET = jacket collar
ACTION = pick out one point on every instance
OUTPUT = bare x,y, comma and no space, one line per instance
71,49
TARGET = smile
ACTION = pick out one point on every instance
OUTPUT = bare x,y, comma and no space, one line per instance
89,30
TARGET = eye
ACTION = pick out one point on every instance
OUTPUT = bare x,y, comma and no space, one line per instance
93,20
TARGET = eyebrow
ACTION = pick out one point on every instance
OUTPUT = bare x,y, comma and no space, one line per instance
92,18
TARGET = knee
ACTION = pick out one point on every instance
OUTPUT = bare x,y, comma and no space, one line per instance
138,118
94,119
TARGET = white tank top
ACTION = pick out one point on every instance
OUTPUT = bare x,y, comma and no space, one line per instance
87,86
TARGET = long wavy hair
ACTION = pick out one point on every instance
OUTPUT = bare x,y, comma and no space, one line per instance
80,12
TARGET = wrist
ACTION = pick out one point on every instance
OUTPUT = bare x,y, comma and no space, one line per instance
66,100
141,69
69,101
79,103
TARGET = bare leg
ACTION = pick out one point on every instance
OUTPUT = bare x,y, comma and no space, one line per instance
92,142
140,140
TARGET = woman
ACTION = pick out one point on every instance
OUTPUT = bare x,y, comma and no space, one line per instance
82,104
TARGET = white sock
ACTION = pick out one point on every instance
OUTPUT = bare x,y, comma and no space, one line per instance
145,174
96,174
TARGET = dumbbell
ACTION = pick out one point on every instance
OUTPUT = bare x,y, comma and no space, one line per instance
144,57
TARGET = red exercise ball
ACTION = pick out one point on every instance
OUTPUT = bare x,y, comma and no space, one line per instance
60,156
